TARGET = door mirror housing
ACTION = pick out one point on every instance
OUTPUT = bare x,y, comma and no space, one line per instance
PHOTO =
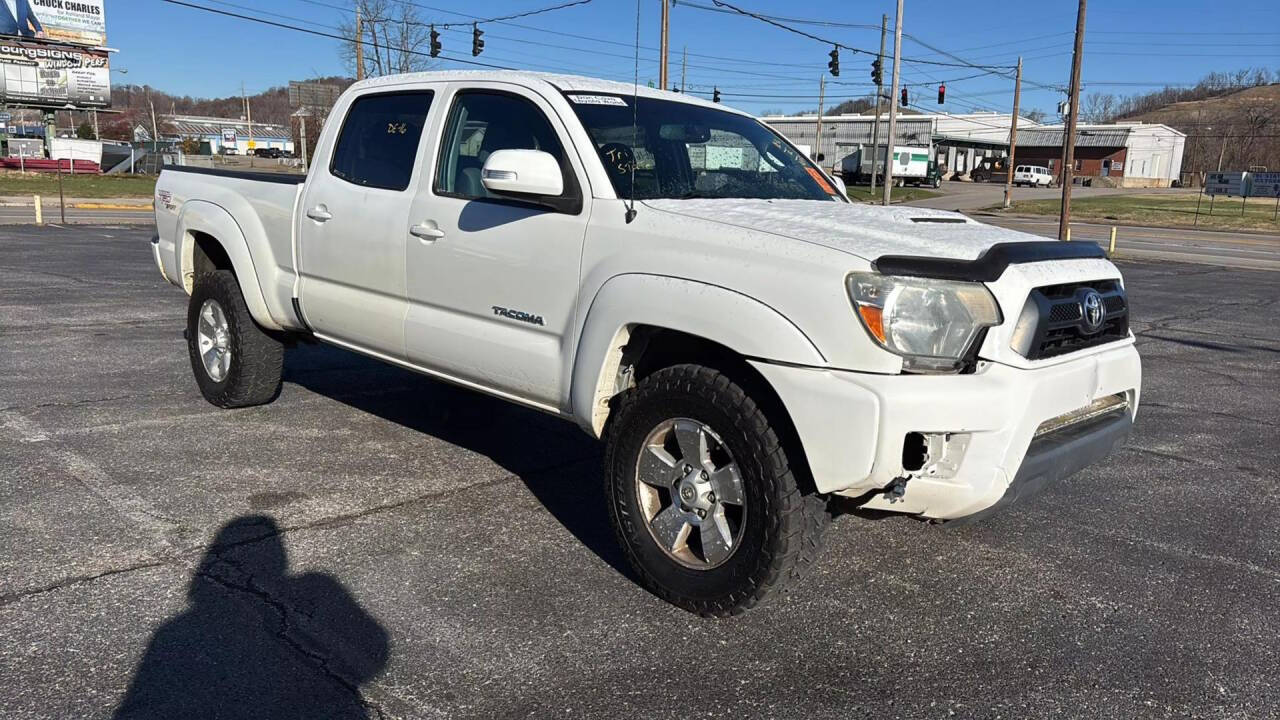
523,173
840,185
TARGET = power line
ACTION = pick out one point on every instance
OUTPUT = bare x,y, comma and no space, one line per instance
323,34
804,33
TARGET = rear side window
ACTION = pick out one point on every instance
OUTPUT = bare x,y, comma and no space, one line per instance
378,143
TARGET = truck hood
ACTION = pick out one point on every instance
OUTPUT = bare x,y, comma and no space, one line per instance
867,231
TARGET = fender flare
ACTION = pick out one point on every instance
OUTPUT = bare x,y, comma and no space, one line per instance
736,321
213,220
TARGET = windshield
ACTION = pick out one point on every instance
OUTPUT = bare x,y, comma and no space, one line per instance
680,150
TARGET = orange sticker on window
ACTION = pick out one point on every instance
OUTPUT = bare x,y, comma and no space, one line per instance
819,178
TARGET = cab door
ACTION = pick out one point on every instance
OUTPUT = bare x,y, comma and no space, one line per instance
353,213
492,281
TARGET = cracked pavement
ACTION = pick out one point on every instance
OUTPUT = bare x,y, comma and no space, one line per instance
376,544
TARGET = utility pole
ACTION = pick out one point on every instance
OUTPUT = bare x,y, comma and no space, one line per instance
893,104
684,58
155,130
1013,136
1064,221
875,129
662,61
817,142
360,45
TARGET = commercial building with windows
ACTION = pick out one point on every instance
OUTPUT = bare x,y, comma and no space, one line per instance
1120,155
216,133
956,142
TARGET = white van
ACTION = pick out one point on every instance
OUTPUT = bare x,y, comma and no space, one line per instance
1032,176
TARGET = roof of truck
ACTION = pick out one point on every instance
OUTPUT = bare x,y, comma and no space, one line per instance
558,82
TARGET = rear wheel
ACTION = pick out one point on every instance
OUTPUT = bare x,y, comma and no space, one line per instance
235,362
703,495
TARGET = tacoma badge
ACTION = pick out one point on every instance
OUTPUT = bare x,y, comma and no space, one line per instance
520,315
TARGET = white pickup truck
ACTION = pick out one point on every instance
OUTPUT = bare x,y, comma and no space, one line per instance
680,281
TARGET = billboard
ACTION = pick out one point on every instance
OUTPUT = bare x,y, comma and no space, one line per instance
80,22
48,76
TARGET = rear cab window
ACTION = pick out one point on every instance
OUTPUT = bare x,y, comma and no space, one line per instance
378,143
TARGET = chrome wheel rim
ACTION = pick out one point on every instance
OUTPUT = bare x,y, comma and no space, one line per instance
213,340
690,494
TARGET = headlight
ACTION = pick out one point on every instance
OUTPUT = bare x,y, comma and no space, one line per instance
931,323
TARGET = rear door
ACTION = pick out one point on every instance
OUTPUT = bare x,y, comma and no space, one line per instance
493,281
354,211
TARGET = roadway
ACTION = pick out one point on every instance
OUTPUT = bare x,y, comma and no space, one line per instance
1204,247
1227,249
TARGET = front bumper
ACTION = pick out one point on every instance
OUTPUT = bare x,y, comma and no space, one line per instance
854,427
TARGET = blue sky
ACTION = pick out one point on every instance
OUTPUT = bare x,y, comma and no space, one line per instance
1129,45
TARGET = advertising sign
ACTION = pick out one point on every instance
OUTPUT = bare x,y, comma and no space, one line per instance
49,76
1265,184
229,136
79,22
1230,184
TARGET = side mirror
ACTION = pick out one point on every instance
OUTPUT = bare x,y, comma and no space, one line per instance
522,172
840,185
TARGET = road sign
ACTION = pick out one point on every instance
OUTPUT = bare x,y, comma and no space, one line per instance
1264,184
1225,183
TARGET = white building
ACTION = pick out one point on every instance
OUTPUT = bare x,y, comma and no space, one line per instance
956,142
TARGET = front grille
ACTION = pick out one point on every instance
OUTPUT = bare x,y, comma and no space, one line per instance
1054,322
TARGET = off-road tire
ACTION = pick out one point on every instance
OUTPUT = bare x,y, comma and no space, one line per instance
257,358
785,517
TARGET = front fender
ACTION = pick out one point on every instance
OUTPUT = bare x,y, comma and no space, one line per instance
741,323
200,216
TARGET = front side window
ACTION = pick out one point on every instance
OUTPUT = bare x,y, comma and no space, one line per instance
665,149
482,123
378,143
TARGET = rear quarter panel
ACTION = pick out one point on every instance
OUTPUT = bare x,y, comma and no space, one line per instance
254,222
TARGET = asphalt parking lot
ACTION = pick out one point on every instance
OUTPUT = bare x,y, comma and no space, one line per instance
376,544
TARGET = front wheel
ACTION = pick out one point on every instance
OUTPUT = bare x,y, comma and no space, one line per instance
703,496
235,362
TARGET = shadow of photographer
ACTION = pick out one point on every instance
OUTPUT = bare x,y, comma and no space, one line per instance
258,642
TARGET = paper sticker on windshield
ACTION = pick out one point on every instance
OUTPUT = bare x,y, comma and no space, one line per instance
598,100
821,180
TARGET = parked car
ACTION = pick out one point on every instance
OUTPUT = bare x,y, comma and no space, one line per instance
268,152
681,282
229,150
990,169
1032,176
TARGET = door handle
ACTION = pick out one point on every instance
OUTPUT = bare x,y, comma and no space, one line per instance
427,231
320,213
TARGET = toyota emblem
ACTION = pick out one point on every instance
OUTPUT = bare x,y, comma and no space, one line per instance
1092,312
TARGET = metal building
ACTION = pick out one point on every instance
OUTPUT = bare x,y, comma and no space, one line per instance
956,142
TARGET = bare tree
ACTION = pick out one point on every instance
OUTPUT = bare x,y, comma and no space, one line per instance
1035,115
1099,108
395,38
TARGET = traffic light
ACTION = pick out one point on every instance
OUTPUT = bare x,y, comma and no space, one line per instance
435,42
715,94
477,45
834,64
942,93
904,97
877,76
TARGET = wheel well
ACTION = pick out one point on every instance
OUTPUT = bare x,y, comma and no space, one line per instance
650,349
203,253
208,254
